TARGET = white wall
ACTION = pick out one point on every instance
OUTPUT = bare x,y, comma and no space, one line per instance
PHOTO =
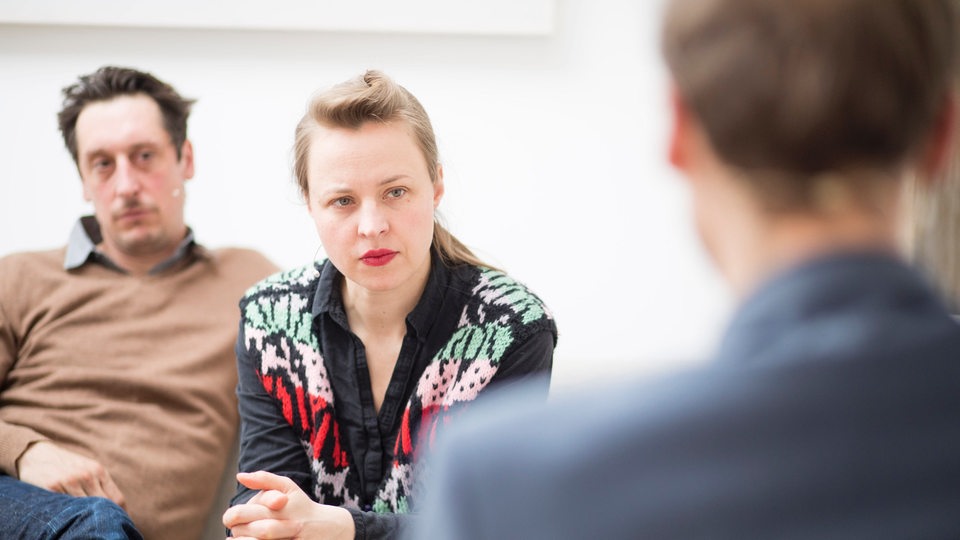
554,152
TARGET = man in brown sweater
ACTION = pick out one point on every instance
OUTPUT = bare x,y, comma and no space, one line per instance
117,370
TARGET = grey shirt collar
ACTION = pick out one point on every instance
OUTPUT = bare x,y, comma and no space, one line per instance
82,247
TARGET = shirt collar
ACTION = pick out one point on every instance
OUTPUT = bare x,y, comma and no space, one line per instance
82,248
329,299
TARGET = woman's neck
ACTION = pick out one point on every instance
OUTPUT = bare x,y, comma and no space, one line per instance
382,312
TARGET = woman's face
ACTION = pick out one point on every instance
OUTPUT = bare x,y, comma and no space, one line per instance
372,200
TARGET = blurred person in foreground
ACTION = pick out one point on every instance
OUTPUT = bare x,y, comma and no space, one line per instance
117,369
830,409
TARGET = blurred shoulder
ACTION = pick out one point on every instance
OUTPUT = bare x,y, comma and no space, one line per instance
246,264
28,278
243,257
33,262
592,420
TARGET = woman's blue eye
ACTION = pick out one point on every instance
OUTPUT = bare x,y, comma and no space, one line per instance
396,192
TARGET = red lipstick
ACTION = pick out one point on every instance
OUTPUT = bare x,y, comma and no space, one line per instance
378,257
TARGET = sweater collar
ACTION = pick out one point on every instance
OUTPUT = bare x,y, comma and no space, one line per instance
839,288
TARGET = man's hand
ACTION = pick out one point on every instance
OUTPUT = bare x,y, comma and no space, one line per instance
46,465
282,510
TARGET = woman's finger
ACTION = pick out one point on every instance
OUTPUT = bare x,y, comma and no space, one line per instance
268,528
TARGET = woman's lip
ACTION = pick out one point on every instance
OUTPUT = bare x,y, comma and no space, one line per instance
378,257
377,253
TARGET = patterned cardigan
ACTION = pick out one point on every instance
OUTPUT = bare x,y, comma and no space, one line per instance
277,324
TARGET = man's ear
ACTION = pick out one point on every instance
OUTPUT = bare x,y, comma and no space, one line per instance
680,131
186,159
940,147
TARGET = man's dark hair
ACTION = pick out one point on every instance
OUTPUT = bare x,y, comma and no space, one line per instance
110,82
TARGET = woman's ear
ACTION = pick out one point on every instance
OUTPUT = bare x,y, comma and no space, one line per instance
438,187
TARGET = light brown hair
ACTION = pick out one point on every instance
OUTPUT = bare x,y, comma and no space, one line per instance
374,97
789,90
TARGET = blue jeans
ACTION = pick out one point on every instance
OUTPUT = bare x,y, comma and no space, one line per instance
31,512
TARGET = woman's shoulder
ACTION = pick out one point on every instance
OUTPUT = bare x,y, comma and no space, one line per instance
494,292
297,280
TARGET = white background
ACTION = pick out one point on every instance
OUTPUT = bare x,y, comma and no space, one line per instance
553,144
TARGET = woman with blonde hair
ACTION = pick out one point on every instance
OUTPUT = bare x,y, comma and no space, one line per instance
349,366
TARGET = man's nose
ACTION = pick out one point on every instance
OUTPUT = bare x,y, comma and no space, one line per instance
126,180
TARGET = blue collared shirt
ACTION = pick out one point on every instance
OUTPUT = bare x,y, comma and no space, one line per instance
82,248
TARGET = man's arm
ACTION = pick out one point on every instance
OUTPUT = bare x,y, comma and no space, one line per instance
46,465
14,439
29,455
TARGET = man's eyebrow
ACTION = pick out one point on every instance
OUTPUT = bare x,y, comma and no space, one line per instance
95,152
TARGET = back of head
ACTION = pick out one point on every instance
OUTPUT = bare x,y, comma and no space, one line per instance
110,82
374,97
800,88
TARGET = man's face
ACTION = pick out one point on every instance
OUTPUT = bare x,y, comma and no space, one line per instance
132,176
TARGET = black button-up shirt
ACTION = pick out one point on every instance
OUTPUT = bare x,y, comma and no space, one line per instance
369,436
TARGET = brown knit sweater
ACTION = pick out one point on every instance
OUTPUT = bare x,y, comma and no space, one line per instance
138,373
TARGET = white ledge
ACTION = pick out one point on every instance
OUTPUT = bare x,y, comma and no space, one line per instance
477,17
